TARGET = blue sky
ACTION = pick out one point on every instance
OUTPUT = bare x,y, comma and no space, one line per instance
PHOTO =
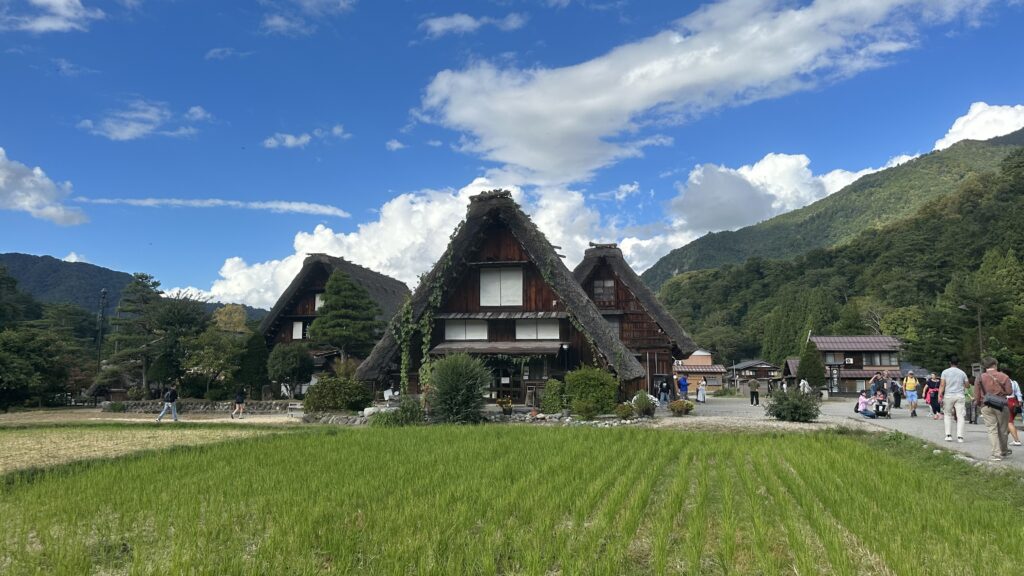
213,144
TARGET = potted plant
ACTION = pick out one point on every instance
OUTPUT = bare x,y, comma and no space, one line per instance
505,403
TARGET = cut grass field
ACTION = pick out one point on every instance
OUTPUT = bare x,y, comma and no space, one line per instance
517,500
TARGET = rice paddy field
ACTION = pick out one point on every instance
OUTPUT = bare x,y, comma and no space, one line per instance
517,500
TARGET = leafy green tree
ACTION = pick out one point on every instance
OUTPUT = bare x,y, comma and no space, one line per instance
290,365
458,381
252,365
811,366
32,367
176,320
348,317
133,327
15,306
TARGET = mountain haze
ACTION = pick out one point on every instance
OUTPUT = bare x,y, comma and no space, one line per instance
871,202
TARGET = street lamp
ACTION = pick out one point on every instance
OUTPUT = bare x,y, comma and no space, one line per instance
981,350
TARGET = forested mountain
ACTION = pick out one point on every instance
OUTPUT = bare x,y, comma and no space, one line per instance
928,279
50,280
869,203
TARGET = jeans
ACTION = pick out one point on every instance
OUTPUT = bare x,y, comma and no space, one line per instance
868,413
755,398
996,422
663,398
174,411
952,404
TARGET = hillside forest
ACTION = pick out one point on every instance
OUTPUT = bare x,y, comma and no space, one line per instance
947,280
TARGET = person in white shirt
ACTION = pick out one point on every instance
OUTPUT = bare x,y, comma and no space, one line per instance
951,394
1014,403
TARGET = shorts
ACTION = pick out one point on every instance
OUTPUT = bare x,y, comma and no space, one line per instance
911,395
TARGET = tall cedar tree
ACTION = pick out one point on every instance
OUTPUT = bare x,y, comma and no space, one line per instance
290,365
348,317
811,367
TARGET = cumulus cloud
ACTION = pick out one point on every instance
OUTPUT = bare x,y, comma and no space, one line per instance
26,189
285,140
299,17
729,53
279,206
51,16
393,145
460,23
74,257
140,118
982,122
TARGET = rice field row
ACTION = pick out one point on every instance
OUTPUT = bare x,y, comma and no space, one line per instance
517,500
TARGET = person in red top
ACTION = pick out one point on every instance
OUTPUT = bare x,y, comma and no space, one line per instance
994,382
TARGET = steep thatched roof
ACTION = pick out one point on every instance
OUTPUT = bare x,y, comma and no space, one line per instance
484,208
387,292
612,255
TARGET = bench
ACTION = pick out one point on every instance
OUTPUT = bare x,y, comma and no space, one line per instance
295,409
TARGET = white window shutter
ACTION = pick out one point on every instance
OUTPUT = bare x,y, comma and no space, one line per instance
296,330
490,287
511,286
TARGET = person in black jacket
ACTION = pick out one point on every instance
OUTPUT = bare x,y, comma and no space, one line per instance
239,404
170,403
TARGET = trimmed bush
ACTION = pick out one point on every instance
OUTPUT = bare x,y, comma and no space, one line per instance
409,413
643,404
585,408
337,393
553,399
459,381
725,392
793,406
680,407
624,411
593,384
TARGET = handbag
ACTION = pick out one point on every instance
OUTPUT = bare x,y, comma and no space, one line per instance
993,400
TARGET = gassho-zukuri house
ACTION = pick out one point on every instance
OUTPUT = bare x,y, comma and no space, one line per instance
295,310
501,292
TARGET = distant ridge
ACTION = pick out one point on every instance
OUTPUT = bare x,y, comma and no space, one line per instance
50,280
871,202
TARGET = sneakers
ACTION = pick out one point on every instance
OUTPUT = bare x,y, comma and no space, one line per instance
949,438
913,413
1015,443
232,415
960,439
1007,453
995,459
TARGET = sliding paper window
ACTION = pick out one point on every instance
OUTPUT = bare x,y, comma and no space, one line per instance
465,330
537,329
501,286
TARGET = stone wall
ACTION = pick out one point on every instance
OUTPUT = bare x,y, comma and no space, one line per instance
201,406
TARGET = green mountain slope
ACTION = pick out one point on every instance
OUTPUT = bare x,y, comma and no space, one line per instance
928,279
871,202
52,281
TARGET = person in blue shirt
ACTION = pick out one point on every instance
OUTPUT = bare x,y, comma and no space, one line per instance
684,386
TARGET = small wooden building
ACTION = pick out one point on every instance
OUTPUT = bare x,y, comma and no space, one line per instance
636,316
701,364
297,307
757,369
850,361
502,293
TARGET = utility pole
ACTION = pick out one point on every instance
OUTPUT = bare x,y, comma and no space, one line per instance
100,321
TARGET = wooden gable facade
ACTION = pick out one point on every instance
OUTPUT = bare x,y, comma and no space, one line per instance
633,312
295,310
502,293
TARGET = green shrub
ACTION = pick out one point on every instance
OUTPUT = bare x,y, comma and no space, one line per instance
624,411
409,413
217,394
724,392
459,381
337,393
593,384
643,405
680,407
116,407
553,399
793,406
137,393
585,408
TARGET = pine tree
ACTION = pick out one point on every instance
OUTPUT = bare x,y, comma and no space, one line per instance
348,317
811,367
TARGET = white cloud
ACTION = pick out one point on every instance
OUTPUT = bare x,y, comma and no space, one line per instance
434,143
197,114
68,69
74,257
393,145
279,206
141,118
299,17
982,122
285,25
51,16
285,140
26,189
225,53
460,23
729,53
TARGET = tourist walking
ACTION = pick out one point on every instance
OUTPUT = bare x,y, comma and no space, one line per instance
990,392
170,403
952,390
702,391
1013,404
684,387
910,386
931,386
239,404
755,396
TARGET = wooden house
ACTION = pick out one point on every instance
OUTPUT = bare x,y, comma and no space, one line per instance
502,293
701,364
636,316
758,369
851,361
295,310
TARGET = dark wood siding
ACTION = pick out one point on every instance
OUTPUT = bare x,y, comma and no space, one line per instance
301,308
638,331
